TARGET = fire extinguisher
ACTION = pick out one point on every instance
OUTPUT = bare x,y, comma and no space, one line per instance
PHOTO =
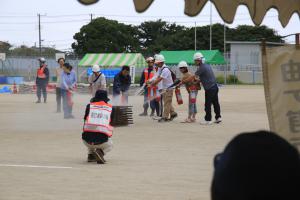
193,92
178,96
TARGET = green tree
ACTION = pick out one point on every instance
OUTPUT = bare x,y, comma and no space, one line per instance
103,35
254,33
155,36
4,47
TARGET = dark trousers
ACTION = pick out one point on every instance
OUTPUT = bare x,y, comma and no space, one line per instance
66,106
41,87
58,99
211,98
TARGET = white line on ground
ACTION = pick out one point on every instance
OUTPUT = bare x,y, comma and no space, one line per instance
36,166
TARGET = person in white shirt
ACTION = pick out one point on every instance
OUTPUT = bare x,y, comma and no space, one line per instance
165,78
97,80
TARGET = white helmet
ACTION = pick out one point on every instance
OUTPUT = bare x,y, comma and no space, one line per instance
198,56
182,64
159,59
42,60
149,59
96,68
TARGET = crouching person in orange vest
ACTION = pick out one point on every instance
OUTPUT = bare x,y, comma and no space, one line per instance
97,130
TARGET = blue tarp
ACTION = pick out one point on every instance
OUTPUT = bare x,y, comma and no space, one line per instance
5,89
109,73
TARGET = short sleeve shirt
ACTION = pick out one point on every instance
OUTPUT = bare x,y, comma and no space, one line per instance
166,75
206,75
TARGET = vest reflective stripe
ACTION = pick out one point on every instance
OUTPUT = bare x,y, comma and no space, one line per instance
146,73
40,72
99,119
151,90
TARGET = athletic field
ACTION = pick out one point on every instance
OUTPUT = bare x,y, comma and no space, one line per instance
42,156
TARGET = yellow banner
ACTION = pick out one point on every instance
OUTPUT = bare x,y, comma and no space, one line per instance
281,66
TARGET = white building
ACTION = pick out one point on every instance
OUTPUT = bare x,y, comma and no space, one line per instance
247,55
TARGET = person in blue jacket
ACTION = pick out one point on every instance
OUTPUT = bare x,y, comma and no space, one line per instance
122,82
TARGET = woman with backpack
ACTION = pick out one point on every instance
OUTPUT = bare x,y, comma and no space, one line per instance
97,80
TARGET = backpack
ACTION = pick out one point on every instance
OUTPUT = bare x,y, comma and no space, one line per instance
172,73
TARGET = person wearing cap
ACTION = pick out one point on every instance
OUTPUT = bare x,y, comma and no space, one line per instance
97,80
259,165
150,93
42,80
97,130
192,87
121,85
165,77
58,72
68,84
209,83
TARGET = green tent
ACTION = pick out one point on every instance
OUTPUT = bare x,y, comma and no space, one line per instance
211,57
113,59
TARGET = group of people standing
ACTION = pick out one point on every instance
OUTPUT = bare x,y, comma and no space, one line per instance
159,83
65,85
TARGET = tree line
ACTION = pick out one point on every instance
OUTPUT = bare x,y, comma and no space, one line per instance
110,36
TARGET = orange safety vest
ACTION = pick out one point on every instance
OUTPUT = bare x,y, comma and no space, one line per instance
99,119
40,72
151,90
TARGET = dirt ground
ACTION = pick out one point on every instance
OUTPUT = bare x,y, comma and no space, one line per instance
42,155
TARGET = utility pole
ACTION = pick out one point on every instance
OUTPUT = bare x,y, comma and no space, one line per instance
40,38
91,17
210,28
195,36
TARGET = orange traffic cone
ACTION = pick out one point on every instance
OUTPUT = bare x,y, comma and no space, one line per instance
15,90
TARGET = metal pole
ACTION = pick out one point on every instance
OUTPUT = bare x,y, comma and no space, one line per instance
195,36
40,37
210,27
297,38
91,17
225,80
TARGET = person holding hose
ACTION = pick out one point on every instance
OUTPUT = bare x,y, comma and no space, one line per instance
68,84
150,93
209,83
192,88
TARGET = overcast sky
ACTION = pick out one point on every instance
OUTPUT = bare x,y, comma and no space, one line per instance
63,18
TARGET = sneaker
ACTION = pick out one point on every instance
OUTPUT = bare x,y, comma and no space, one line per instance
218,121
91,157
152,114
99,156
206,122
156,118
173,116
163,120
38,101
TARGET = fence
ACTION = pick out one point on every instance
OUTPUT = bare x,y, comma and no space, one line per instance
26,67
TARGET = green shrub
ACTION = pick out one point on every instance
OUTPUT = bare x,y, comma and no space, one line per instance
220,79
137,79
231,79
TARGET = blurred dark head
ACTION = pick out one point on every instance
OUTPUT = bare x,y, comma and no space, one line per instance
101,95
67,67
125,70
257,166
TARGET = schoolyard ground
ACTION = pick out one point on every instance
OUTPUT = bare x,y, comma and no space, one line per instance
42,156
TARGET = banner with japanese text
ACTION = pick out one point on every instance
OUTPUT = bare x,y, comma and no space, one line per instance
281,67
